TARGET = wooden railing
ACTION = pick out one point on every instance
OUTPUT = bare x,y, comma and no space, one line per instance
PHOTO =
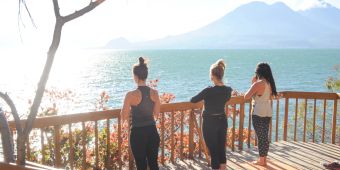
179,126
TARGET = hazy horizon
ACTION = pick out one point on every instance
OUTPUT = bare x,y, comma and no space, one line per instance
132,19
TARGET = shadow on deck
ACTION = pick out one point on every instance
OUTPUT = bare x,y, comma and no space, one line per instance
282,155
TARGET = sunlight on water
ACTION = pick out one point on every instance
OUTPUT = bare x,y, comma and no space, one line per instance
183,72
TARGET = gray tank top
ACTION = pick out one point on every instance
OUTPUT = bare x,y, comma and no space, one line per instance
142,114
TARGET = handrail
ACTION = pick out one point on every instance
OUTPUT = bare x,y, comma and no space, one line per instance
185,111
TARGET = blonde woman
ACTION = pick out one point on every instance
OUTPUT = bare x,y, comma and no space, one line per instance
214,117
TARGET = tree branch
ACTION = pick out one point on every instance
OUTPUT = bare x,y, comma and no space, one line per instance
56,8
90,7
14,111
6,138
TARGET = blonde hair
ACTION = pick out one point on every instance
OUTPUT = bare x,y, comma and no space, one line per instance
217,69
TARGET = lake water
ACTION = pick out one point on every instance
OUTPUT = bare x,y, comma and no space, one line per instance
182,72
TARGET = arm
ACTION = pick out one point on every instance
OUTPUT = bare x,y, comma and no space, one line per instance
157,106
253,90
200,96
125,112
229,93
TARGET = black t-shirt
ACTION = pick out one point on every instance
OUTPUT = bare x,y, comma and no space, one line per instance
214,98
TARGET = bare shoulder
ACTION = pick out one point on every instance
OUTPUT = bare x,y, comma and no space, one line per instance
153,92
260,83
132,94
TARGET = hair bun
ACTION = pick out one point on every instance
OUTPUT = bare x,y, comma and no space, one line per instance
141,61
220,63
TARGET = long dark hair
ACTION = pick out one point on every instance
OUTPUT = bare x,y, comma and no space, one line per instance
263,71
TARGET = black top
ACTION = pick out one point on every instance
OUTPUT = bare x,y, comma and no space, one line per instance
214,98
142,114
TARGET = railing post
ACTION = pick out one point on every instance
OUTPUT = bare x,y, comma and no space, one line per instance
285,119
191,134
84,145
240,141
172,157
119,142
277,120
162,137
71,157
57,146
334,120
42,146
108,153
131,161
233,129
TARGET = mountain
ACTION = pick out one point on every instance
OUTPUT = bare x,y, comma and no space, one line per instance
258,25
326,15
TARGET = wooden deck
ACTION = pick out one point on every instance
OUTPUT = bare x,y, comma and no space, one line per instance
282,155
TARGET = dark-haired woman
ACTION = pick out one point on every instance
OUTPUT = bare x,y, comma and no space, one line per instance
143,103
214,117
262,89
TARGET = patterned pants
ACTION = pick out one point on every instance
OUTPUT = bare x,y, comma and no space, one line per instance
261,126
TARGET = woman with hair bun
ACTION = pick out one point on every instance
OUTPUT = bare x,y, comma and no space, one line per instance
143,103
214,117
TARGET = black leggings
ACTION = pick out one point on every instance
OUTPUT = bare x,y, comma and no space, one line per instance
214,133
261,127
144,143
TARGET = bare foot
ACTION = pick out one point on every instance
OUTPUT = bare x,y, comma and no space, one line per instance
260,163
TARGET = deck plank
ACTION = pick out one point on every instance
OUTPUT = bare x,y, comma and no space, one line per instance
282,155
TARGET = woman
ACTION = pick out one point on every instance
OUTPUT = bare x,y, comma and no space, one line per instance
144,104
262,89
214,117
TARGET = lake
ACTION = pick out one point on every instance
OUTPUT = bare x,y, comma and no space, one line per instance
182,72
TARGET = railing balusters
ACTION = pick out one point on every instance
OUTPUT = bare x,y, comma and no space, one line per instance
71,154
119,142
84,144
296,117
182,134
314,120
324,120
96,150
233,129
271,123
57,146
162,137
277,120
131,160
108,155
249,124
240,141
285,122
172,140
305,121
42,146
200,141
58,122
191,134
335,109
28,149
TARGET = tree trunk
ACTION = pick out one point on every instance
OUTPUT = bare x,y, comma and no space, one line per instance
6,137
40,92
60,21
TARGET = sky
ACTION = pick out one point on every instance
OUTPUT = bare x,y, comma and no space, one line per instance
135,20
